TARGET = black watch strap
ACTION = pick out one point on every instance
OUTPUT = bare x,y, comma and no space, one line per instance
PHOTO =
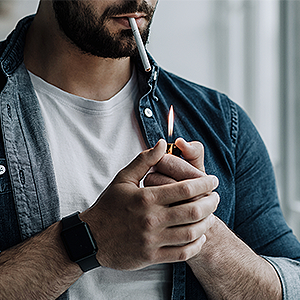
72,223
88,264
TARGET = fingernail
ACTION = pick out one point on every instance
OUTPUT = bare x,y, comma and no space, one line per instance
203,239
215,181
182,140
186,143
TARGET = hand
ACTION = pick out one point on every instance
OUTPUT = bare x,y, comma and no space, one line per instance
171,169
192,152
135,227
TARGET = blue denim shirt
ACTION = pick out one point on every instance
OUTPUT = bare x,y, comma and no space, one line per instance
234,152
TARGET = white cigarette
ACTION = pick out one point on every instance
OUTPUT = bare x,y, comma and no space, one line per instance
140,45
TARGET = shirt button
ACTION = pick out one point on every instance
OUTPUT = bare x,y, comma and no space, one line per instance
148,112
2,169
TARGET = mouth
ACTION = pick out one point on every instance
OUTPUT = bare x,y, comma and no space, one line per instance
123,19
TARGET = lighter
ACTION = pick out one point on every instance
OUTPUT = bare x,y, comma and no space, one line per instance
171,147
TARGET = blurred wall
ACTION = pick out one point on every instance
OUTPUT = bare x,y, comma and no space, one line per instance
13,10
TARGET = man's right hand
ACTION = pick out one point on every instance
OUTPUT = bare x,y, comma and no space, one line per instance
135,227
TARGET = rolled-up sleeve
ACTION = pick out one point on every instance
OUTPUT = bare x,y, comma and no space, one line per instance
288,271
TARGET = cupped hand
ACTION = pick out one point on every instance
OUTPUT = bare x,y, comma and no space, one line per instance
135,227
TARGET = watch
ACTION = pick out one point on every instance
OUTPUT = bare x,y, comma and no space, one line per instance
79,242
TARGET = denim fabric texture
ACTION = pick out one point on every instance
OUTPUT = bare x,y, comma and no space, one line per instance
234,152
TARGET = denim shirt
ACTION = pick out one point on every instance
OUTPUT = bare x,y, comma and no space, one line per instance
234,152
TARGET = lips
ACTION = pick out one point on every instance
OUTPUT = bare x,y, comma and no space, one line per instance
123,19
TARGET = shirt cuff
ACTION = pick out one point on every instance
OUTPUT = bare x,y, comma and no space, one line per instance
288,271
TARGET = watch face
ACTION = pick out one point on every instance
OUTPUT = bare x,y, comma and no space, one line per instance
79,242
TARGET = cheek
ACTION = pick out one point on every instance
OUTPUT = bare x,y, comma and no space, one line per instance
153,2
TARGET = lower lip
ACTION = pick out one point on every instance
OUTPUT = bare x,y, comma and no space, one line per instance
125,22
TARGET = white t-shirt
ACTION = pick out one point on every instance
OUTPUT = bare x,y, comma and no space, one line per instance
90,141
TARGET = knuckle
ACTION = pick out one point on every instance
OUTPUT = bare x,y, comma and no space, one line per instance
187,190
184,255
199,146
145,242
151,256
212,182
195,213
142,156
206,184
146,198
148,254
121,175
165,160
191,234
150,222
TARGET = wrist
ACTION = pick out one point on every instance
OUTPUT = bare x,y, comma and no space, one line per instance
231,267
79,242
212,249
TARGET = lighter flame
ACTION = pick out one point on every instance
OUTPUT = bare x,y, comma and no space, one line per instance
171,122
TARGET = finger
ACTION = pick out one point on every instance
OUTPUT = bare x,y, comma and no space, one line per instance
193,152
177,168
179,236
183,190
191,212
156,179
139,167
171,254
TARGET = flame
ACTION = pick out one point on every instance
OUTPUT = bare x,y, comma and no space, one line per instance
170,122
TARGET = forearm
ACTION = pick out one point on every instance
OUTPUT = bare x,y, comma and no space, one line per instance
228,269
39,268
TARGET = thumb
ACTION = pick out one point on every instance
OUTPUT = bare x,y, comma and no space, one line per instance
139,167
193,152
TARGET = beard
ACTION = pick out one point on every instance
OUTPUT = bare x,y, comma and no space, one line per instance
87,31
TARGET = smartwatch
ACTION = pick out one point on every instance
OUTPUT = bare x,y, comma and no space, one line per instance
79,242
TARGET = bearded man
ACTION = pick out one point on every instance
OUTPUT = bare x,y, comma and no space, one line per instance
91,206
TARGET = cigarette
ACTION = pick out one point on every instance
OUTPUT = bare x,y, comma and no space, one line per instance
140,45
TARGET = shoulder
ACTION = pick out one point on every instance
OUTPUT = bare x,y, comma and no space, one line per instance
196,94
212,106
191,88
11,49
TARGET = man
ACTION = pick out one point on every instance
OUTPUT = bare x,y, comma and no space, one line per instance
76,108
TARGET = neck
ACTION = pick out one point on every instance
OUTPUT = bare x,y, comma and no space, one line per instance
49,55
